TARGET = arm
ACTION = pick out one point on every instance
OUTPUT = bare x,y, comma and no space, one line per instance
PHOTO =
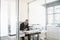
27,27
21,27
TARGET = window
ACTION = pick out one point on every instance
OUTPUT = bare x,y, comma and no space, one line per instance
57,18
57,9
57,14
50,10
54,14
50,19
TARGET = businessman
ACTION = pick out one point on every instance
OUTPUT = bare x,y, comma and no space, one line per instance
24,27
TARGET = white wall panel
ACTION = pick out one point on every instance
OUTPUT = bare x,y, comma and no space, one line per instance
13,16
23,10
36,13
4,18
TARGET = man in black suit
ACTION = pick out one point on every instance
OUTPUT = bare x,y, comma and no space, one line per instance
24,26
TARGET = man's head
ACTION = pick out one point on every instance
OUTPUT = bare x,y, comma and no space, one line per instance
26,22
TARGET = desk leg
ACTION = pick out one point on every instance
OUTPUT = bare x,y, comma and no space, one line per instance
32,37
38,37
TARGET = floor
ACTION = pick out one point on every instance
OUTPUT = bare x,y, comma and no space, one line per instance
8,38
14,38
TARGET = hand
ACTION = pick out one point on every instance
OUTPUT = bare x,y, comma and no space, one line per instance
26,34
25,29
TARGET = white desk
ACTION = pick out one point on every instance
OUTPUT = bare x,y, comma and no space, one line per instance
21,34
34,32
31,32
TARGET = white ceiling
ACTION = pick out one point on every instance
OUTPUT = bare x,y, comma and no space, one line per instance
29,0
47,1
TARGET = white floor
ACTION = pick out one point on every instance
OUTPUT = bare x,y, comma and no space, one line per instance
11,38
8,38
14,38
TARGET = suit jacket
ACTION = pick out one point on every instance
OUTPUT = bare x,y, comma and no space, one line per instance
22,26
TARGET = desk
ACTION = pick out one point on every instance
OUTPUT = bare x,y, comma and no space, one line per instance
21,34
32,32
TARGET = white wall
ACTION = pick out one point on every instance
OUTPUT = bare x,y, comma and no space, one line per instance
0,17
37,13
4,18
23,10
8,17
13,16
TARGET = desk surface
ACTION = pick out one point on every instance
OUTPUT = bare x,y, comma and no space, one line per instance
22,33
32,31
